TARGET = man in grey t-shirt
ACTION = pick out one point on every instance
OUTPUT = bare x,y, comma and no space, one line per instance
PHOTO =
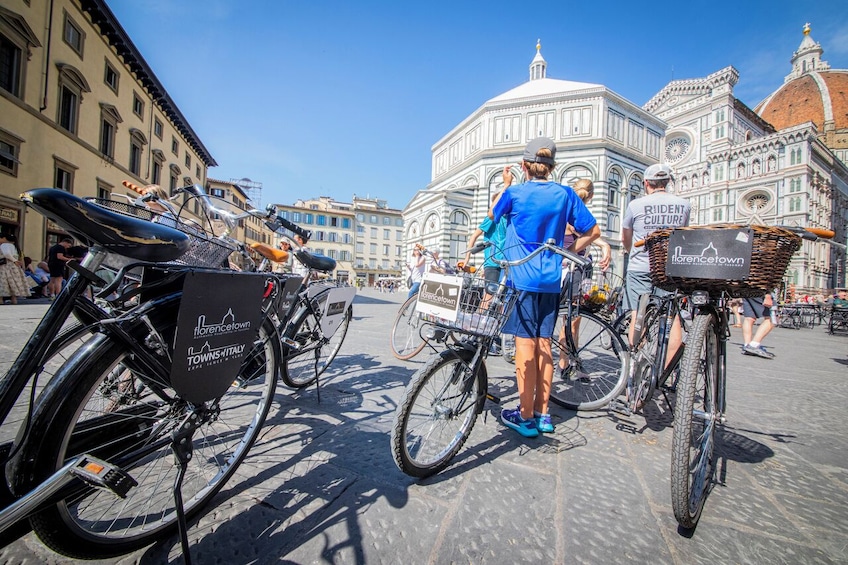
644,215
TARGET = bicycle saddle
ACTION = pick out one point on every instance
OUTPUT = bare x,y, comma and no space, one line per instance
316,262
131,237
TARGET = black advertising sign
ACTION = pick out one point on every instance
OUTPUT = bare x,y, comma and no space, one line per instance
722,254
291,288
218,321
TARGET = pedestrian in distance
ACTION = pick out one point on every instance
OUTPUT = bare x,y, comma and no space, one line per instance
537,211
415,267
13,281
56,259
752,309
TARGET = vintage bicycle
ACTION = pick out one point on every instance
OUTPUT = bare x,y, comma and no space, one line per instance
708,266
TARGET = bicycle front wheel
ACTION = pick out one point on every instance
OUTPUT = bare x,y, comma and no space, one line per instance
102,404
437,412
314,352
406,340
696,416
595,362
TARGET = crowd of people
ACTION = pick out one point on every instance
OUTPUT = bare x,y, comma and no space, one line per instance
21,277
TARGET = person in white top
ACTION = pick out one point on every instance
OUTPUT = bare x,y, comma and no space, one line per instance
416,271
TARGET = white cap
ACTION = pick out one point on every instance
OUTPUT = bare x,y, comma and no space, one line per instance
660,171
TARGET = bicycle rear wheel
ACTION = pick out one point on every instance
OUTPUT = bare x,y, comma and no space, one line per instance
696,416
597,367
406,340
101,404
640,387
437,412
299,365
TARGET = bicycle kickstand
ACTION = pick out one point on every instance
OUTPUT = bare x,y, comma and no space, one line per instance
182,448
317,376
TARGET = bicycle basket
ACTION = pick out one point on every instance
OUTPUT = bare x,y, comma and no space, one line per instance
478,315
773,247
204,250
600,293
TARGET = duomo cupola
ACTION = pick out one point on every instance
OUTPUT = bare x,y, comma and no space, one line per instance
812,92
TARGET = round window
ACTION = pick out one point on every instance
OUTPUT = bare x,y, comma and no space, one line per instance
677,148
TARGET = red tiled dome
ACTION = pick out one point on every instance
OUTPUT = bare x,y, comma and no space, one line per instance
816,97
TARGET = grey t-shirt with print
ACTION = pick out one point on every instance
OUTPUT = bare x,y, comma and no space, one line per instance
650,213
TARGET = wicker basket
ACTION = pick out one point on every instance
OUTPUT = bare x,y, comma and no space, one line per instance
203,251
773,247
479,318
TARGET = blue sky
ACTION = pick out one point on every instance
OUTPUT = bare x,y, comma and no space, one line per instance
331,98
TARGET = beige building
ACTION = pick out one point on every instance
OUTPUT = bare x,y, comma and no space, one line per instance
82,111
379,241
332,226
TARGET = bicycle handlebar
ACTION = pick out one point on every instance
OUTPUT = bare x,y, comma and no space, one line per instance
549,245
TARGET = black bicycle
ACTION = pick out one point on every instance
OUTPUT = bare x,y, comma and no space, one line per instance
92,463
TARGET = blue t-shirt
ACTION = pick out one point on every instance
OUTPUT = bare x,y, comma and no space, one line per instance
537,212
494,232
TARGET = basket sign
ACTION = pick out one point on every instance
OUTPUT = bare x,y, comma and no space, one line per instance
710,254
334,307
218,320
439,296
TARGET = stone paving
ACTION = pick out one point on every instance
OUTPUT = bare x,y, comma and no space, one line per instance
320,485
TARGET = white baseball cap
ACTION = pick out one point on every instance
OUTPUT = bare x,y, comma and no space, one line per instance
660,171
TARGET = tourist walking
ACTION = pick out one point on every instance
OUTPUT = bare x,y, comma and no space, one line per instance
752,309
13,281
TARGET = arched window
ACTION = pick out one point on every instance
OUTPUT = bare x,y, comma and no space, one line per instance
573,174
634,188
459,218
613,184
431,225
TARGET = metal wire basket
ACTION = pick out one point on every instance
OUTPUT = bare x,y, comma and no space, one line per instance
204,250
773,247
483,309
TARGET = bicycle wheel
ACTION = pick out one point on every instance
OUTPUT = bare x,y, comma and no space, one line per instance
299,365
695,419
406,340
61,349
595,374
100,403
640,387
437,412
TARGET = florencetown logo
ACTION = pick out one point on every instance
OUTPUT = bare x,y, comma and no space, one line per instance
438,296
207,356
708,257
228,325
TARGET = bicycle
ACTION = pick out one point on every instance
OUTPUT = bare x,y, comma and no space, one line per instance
752,262
594,361
89,460
313,315
440,405
411,331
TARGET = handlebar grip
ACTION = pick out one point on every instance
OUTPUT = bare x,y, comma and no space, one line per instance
640,243
821,232
133,187
479,247
294,228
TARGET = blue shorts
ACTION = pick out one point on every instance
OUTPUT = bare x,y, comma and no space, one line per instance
534,315
637,284
754,308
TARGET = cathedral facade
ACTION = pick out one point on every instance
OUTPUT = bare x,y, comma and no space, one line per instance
731,162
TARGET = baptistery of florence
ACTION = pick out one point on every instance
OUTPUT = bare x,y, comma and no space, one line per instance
782,163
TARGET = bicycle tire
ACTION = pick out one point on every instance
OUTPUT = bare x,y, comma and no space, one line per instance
62,347
98,404
693,439
406,341
299,365
599,374
435,415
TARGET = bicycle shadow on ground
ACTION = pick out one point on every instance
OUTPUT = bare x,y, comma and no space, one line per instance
656,415
309,477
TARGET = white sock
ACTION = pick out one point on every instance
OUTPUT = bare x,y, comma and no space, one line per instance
754,344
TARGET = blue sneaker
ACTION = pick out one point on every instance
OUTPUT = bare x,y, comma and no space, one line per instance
543,423
512,419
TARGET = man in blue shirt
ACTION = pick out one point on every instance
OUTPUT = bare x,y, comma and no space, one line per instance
536,211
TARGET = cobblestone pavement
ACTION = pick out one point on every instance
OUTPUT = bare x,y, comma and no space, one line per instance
320,486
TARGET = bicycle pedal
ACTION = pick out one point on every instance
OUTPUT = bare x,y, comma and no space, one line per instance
493,398
290,343
620,407
104,475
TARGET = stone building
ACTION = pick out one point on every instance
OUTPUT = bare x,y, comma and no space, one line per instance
82,111
781,164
